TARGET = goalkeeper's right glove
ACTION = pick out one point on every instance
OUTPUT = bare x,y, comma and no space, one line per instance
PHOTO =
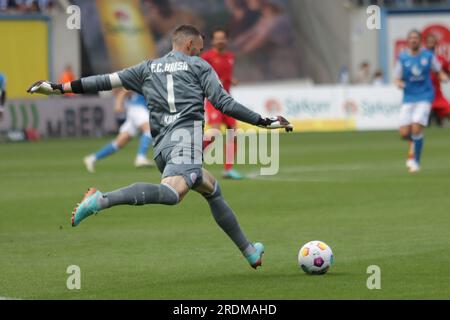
275,123
47,88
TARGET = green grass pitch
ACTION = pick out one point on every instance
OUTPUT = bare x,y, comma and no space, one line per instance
350,190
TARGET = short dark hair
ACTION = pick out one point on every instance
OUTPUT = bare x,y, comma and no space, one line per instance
219,29
184,31
415,31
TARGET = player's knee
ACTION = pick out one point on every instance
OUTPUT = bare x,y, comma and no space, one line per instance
119,144
417,130
217,192
168,195
146,133
405,136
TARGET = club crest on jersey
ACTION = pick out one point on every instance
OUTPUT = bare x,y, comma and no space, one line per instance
424,62
416,71
193,177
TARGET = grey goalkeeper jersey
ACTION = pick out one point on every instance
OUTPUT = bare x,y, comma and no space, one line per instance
175,87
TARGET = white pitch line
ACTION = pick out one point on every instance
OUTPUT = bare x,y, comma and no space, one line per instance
257,176
8,298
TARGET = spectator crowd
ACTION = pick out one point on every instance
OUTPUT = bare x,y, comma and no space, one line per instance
402,3
26,6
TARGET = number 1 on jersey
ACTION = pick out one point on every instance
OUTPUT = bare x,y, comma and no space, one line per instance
171,94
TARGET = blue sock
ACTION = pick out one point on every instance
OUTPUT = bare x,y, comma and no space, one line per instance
418,146
107,150
144,144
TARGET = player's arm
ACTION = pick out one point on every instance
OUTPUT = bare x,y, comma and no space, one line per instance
131,79
93,84
443,76
222,101
398,75
446,67
120,101
436,66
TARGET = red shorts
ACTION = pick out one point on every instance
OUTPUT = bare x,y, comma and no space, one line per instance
215,117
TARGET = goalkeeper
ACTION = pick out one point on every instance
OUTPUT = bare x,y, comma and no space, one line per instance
175,87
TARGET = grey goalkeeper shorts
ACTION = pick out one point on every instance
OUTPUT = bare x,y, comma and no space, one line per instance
177,161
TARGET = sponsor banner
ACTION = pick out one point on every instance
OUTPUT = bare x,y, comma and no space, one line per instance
326,108
127,37
373,108
59,117
24,54
400,25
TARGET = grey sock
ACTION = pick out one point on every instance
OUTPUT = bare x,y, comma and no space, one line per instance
140,194
226,219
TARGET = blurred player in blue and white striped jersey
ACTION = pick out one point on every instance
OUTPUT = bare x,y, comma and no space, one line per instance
413,76
137,121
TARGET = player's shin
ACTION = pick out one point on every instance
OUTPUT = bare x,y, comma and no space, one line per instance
411,151
226,219
418,141
144,144
106,151
406,136
140,194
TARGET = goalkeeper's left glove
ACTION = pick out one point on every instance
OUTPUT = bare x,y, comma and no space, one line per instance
275,123
47,88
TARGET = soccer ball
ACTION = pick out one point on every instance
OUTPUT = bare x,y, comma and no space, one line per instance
315,257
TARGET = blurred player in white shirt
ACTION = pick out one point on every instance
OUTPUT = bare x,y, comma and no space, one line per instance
137,121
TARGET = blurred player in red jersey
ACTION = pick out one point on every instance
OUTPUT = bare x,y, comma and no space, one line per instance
222,62
441,106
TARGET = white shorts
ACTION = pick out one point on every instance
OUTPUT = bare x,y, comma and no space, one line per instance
136,117
418,112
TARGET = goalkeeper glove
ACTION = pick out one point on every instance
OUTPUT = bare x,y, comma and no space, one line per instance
47,88
275,123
